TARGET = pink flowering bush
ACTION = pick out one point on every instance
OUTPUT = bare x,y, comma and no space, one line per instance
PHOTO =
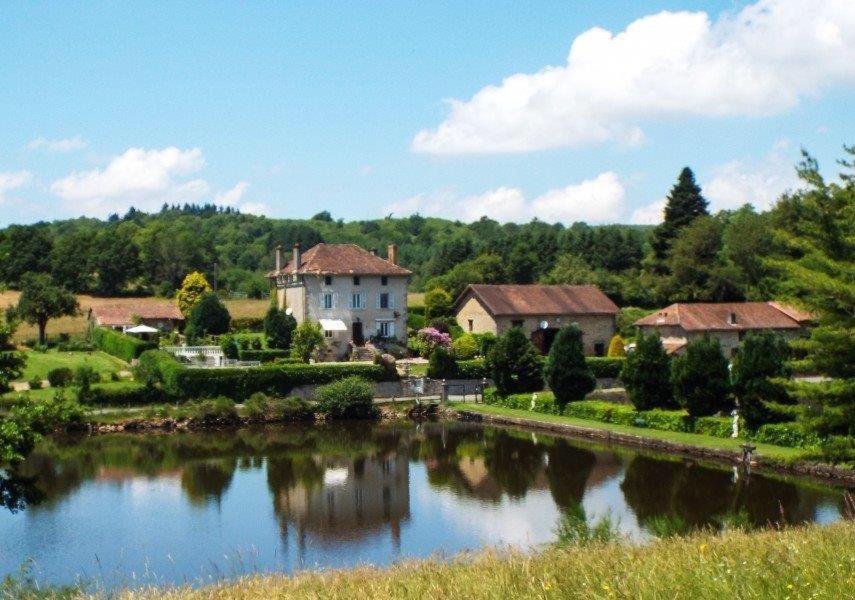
430,338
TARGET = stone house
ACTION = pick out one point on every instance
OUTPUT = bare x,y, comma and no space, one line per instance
354,294
163,316
540,310
728,321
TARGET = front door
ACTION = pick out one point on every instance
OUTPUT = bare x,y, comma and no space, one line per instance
358,339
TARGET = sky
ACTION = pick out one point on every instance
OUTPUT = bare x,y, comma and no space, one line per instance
563,111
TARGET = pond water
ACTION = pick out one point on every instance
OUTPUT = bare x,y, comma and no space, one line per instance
131,509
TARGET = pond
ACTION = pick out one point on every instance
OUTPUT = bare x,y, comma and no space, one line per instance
125,510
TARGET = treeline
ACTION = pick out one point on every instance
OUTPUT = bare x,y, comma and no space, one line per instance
691,256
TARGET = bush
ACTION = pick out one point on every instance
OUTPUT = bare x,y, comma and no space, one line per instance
193,289
616,347
793,435
441,364
349,398
701,378
721,427
838,449
605,367
119,344
514,364
255,407
430,338
485,342
566,371
647,374
761,357
544,402
214,411
265,356
126,393
606,412
279,328
229,346
60,377
471,369
438,303
208,317
465,347
254,324
291,409
84,377
307,339
415,321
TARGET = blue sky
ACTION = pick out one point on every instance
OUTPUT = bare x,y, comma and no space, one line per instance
362,109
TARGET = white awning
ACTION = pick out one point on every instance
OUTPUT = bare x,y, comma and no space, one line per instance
141,329
332,325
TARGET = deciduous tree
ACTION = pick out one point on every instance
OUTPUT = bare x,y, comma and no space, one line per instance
42,300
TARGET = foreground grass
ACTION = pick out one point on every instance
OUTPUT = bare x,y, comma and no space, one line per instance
40,363
808,562
704,441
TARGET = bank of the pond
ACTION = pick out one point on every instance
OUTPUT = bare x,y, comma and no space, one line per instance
802,562
768,456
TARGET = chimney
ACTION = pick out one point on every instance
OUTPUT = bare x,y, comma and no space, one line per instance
392,253
278,258
295,257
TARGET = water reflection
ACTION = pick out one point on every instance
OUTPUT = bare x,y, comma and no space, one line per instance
337,495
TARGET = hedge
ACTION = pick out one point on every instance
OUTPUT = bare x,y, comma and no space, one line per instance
472,369
125,394
605,412
179,381
605,366
120,345
793,435
266,355
543,402
247,324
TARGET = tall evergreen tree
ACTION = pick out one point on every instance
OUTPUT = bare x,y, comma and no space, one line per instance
683,205
646,374
566,372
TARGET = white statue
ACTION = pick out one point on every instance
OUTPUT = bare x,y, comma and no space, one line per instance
735,414
533,400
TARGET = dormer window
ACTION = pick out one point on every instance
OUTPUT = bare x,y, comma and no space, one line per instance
732,318
327,279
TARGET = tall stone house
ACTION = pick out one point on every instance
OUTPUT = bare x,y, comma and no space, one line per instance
354,294
681,322
541,311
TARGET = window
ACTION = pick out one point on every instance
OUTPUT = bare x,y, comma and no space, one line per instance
327,279
384,300
327,333
470,325
327,300
517,323
384,280
599,349
356,301
386,329
356,280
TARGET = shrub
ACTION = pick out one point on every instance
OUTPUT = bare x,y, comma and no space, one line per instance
265,356
544,402
646,374
208,317
212,411
35,383
605,367
443,324
255,407
125,394
255,324
465,347
415,321
431,338
721,427
514,364
472,369
84,377
839,449
761,358
616,347
793,435
606,412
485,342
193,288
667,420
119,344
60,377
229,346
279,328
701,378
291,409
438,303
307,339
441,364
566,371
349,398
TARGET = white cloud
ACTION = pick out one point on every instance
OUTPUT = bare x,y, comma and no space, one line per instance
759,61
596,200
651,214
254,208
760,183
12,181
232,196
61,145
139,177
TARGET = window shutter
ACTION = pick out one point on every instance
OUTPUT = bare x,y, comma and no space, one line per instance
392,329
391,300
335,299
378,302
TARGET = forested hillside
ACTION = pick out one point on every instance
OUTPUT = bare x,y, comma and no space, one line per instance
691,256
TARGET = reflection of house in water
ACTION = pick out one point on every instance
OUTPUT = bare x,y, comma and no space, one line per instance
356,497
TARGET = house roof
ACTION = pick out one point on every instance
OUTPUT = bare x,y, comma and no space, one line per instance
117,315
504,300
342,259
716,316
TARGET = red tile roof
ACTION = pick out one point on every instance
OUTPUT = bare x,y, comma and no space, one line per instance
503,300
343,259
716,316
117,315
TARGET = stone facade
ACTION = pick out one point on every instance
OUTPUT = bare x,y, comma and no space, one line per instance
729,340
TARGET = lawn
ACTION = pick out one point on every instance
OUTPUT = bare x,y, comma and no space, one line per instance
694,439
801,562
39,363
77,324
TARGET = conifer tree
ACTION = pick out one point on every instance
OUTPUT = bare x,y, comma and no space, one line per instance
684,204
515,364
647,374
567,374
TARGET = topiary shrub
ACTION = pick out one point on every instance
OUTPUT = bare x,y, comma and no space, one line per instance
60,377
465,347
646,374
616,347
349,398
701,378
566,371
514,364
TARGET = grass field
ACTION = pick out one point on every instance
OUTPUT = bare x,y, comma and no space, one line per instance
415,299
39,363
801,562
694,439
77,324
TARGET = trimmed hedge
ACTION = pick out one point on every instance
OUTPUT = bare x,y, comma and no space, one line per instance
605,366
160,368
792,435
125,394
247,324
120,345
543,402
716,426
266,355
606,412
472,369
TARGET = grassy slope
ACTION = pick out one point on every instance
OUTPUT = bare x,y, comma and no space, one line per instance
705,441
39,363
809,562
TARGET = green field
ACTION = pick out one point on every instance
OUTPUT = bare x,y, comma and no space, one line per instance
40,363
